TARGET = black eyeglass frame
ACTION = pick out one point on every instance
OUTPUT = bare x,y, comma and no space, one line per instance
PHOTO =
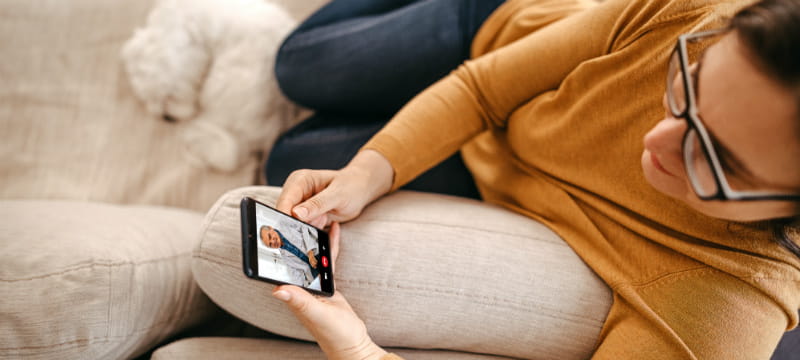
690,114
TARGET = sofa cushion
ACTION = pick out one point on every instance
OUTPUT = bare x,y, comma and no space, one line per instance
430,271
213,348
95,281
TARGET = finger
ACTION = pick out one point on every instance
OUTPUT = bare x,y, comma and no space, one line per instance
335,234
320,222
295,189
316,205
290,196
300,302
299,186
303,303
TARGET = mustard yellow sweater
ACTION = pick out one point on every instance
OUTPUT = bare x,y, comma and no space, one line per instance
550,116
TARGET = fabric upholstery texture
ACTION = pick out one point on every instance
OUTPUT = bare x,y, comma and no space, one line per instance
72,128
419,268
95,281
213,348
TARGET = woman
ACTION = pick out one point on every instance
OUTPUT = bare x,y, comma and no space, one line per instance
549,117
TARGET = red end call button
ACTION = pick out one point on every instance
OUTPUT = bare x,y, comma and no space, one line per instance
324,261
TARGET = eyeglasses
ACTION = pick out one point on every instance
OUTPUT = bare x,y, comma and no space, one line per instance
702,161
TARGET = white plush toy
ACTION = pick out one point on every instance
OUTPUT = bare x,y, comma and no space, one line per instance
208,64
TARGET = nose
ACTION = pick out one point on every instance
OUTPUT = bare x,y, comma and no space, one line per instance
665,138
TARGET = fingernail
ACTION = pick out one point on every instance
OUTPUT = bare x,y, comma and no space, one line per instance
282,295
301,212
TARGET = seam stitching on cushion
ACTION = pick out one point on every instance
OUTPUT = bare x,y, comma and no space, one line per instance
100,339
372,284
215,260
93,264
484,300
540,238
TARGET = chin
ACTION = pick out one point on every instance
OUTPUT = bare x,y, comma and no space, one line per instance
740,211
713,209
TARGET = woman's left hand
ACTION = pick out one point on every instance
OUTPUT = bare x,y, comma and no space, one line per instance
339,331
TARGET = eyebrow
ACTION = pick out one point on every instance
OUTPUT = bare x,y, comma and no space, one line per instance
727,157
696,76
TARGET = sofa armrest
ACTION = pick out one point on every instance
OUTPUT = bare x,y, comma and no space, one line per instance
429,271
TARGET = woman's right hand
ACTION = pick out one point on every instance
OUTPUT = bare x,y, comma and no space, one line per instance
320,197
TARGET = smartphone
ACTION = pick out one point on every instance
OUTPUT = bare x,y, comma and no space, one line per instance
280,249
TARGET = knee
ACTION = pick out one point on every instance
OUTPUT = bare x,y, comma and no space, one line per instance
287,74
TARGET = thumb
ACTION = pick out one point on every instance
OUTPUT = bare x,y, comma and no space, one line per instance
300,302
315,206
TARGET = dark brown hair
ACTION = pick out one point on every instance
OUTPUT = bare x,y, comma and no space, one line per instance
770,30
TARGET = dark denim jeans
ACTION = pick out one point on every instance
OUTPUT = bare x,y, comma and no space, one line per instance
356,63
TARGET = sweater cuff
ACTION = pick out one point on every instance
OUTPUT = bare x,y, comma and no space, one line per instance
394,152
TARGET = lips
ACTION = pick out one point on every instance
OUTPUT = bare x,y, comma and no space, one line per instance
658,165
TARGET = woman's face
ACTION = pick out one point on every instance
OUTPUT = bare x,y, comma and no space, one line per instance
754,122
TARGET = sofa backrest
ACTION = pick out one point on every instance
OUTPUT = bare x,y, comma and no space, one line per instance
71,126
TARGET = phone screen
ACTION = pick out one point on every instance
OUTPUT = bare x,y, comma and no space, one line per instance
280,249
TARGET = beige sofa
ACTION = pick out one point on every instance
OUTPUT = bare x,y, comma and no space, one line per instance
113,246
102,213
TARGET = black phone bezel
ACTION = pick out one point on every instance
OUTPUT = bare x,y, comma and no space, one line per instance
250,253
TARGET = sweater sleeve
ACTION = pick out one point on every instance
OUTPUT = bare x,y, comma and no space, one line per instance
482,93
